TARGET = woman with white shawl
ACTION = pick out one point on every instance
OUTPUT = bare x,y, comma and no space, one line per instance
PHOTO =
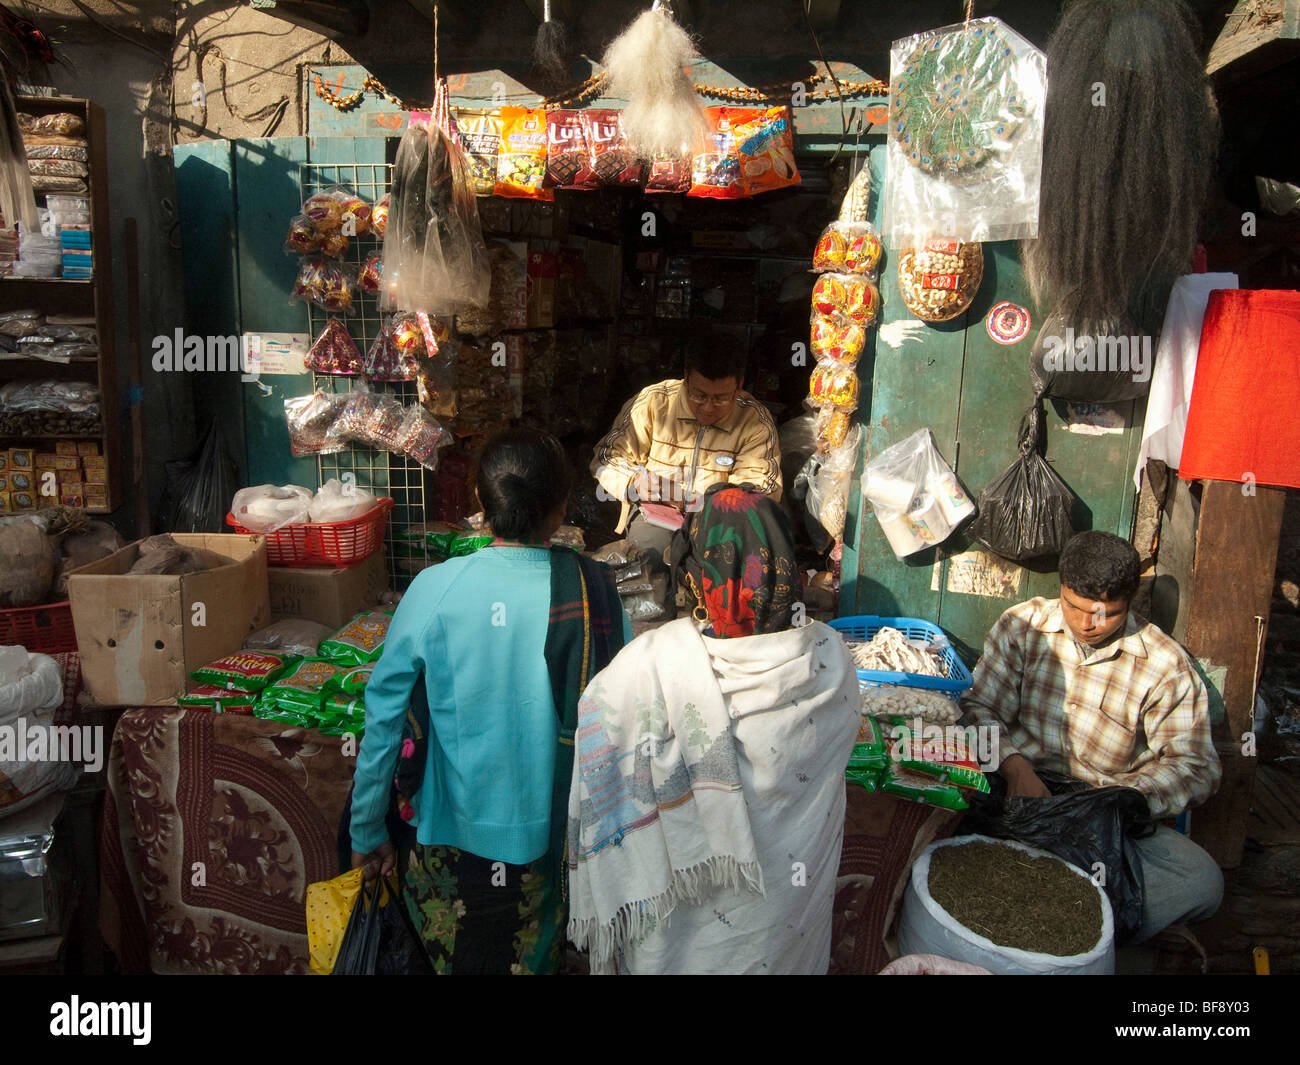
707,809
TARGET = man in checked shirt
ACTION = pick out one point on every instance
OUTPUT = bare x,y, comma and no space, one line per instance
1083,687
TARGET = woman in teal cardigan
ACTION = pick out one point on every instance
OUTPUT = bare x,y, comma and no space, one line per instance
493,645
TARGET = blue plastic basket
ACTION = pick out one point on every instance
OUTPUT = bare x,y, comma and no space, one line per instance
863,627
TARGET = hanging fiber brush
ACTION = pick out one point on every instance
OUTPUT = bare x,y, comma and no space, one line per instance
646,65
551,48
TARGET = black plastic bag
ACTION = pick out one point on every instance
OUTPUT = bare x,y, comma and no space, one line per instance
1080,824
1091,361
379,939
206,490
1025,512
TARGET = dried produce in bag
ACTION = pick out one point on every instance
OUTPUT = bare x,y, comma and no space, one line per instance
480,134
420,437
831,426
715,171
828,478
291,636
245,671
57,168
849,296
848,248
64,123
372,273
310,419
939,278
567,154
334,351
434,256
610,160
77,153
521,166
360,641
1026,511
838,338
965,145
765,146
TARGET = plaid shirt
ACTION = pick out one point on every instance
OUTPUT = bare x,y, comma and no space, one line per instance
1133,713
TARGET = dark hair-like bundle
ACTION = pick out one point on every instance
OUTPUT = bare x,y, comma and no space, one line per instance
522,476
1130,135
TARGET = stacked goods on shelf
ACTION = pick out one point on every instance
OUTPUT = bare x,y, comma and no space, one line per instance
57,154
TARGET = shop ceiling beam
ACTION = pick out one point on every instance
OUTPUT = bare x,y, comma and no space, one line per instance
329,18
1258,35
823,14
454,15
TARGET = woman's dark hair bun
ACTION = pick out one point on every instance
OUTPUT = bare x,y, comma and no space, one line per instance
522,476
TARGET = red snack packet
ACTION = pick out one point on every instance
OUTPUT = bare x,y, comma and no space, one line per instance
334,351
609,160
567,152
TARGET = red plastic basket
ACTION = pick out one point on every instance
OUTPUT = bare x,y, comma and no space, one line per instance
326,543
42,629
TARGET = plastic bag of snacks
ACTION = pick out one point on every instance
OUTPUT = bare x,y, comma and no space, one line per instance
969,167
846,296
918,787
408,335
943,757
669,173
828,479
834,384
218,700
379,218
372,273
610,161
940,278
568,164
420,437
916,496
338,210
480,133
334,351
340,714
350,682
385,361
360,641
302,238
245,671
765,146
292,636
521,166
838,338
848,248
715,172
831,426
301,691
310,419
325,284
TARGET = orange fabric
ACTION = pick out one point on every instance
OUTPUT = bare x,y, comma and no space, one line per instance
1242,420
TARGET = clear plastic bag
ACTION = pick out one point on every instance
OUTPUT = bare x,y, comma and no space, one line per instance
916,496
965,140
327,285
266,507
292,636
846,297
420,437
434,256
336,501
848,248
310,419
334,351
828,478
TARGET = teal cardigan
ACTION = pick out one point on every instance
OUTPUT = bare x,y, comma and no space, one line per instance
473,632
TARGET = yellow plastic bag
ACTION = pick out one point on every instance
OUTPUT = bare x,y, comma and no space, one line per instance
329,905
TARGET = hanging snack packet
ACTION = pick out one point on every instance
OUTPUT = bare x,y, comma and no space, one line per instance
609,159
326,284
836,338
383,426
360,641
325,210
480,134
765,144
408,336
379,218
355,220
567,153
940,755
384,362
245,671
849,296
347,713
350,682
310,419
848,248
521,166
715,172
420,437
302,238
834,384
669,173
372,273
218,700
300,692
334,351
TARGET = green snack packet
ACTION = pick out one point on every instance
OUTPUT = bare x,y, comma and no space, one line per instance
270,712
457,543
343,707
867,776
350,682
360,642
342,730
301,691
218,700
939,752
245,671
870,748
919,788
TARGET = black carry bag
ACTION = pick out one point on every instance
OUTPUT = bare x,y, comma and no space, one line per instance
1025,512
379,939
1081,825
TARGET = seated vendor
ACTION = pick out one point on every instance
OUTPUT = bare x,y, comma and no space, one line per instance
1082,687
674,439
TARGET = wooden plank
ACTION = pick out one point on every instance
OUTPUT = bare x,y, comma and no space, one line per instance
266,198
1236,553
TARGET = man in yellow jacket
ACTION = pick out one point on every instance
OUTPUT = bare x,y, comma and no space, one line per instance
673,440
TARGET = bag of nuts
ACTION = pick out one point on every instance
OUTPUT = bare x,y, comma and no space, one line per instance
940,278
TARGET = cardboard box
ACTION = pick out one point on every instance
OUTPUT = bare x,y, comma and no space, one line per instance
87,448
21,480
6,502
4,460
329,596
65,447
22,500
139,636
94,462
72,499
95,477
47,460
22,458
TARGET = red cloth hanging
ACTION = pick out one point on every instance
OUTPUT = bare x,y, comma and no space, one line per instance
1244,418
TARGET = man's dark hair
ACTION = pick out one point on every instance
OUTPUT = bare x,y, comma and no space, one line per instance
1100,565
522,476
715,357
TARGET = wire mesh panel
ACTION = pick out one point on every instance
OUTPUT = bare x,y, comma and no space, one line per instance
381,472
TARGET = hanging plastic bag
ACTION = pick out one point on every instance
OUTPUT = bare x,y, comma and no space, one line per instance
206,489
379,939
329,908
266,508
310,419
1025,512
965,146
1081,825
828,479
916,496
336,502
334,351
434,256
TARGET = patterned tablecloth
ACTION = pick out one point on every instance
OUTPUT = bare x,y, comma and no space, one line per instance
214,824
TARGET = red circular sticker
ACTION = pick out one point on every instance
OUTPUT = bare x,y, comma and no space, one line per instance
1008,322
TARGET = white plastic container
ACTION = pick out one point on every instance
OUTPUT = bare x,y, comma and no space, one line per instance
925,927
927,520
952,498
899,532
